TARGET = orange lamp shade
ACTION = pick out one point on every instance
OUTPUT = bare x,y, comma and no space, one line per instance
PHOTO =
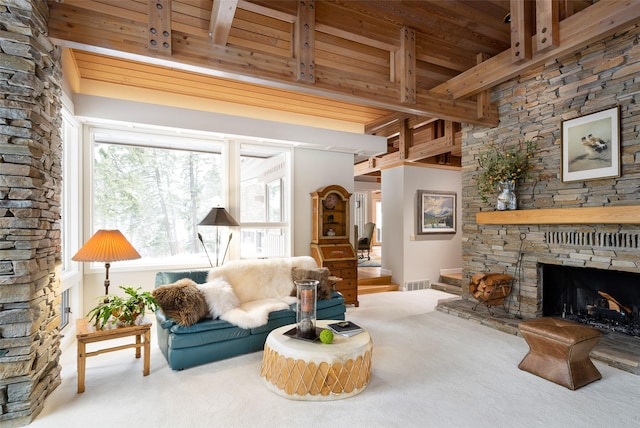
106,246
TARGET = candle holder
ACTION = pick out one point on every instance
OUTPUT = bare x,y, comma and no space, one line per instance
306,308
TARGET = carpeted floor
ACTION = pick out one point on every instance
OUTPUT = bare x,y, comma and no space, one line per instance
430,369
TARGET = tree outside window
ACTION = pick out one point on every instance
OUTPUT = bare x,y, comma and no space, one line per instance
156,196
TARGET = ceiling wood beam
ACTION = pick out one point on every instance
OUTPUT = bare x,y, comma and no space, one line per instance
195,52
521,30
406,138
384,122
159,27
448,133
594,23
277,72
449,143
222,13
407,65
305,42
484,97
547,24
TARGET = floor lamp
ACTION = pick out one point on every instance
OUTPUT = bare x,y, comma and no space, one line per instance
218,217
106,246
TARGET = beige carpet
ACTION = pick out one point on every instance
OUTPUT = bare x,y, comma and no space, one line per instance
429,370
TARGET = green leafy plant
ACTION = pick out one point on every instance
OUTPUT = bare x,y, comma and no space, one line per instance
122,311
500,163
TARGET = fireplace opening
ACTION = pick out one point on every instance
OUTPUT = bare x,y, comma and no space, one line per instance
604,299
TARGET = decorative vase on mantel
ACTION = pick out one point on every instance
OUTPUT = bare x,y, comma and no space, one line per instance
507,196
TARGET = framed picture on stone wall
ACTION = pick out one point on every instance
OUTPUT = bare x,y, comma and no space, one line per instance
436,212
591,146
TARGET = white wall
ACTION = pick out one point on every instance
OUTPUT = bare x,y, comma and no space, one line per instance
417,257
313,169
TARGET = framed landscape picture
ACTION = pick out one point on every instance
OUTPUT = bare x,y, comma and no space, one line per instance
591,146
436,212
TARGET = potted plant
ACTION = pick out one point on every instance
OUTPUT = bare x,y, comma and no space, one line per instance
501,166
116,311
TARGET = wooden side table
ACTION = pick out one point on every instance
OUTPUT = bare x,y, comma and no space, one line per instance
86,333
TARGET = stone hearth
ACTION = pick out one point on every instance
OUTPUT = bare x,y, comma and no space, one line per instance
615,349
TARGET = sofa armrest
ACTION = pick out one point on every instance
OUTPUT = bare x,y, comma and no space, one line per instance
336,295
163,320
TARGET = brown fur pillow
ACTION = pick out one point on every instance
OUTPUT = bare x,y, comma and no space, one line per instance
320,274
182,301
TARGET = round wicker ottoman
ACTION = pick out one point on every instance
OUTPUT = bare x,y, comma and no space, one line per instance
312,371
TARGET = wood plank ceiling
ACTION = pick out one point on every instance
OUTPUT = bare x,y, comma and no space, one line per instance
411,71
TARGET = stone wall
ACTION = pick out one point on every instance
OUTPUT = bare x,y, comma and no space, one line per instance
30,190
601,76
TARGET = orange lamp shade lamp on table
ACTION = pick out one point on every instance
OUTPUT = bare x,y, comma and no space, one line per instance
106,246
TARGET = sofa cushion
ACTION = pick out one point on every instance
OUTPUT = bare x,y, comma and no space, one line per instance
182,301
219,296
319,274
203,337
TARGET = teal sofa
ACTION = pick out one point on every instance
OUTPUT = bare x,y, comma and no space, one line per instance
214,339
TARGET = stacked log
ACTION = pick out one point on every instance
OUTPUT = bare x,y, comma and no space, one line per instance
491,288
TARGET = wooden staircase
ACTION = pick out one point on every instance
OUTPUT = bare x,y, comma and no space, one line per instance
371,281
449,283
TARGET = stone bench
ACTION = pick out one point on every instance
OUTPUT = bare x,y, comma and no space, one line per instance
559,351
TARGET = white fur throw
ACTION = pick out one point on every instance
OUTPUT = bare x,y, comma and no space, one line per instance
261,286
219,297
262,278
254,314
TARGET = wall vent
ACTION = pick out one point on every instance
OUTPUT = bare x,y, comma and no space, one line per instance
415,285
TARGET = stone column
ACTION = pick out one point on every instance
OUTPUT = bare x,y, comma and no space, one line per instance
30,190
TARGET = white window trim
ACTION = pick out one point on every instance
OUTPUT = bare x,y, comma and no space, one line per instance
176,139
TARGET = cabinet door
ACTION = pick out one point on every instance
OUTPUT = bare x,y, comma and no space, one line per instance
334,216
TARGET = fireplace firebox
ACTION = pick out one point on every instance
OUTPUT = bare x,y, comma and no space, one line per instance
604,299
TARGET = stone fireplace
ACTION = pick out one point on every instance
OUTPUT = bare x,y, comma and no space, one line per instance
592,224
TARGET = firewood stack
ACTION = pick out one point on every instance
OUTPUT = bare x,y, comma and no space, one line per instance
490,289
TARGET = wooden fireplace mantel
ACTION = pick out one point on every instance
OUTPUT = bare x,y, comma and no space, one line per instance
627,214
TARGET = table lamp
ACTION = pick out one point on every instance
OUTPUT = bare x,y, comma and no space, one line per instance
106,246
218,216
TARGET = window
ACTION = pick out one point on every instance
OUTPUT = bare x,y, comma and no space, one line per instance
70,221
264,178
156,193
155,187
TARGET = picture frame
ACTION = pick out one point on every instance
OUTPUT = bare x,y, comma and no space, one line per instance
436,212
591,146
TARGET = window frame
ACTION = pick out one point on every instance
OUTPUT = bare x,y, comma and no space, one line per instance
178,139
